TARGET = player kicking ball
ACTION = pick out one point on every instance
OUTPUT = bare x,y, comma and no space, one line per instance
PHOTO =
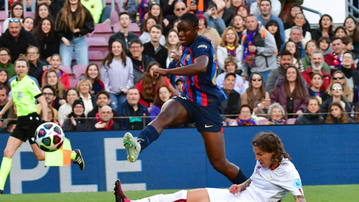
273,177
199,102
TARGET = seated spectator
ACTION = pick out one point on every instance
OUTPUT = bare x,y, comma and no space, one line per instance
209,32
17,12
295,35
132,108
145,36
140,61
11,117
5,62
255,96
339,77
193,7
317,66
9,128
291,93
334,59
71,95
100,13
42,11
348,47
231,11
340,32
238,24
172,44
52,79
276,7
316,81
84,87
311,114
324,45
76,120
93,74
325,28
4,98
351,75
244,118
147,87
178,10
155,11
288,21
230,66
138,9
276,115
4,79
163,94
229,47
351,26
105,121
273,27
310,47
337,114
179,85
291,47
37,67
154,48
28,24
48,39
231,104
337,95
124,34
117,73
242,11
55,62
49,94
213,19
102,99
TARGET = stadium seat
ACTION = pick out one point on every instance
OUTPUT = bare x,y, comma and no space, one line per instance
114,18
97,44
116,27
291,121
73,80
262,121
29,14
135,29
79,70
96,57
117,7
3,17
102,30
66,69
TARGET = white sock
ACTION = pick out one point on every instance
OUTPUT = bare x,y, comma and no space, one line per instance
165,198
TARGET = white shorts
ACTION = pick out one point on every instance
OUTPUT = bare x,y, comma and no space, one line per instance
222,195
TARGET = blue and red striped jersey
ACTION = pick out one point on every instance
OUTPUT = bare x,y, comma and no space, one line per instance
202,88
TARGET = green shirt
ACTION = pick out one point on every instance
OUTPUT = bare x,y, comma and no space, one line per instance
23,93
307,63
9,68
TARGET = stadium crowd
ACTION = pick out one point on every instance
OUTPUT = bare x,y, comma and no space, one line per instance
273,67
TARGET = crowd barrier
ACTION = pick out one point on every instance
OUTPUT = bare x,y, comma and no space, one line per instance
323,154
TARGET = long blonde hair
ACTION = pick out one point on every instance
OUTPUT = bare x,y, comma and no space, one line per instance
346,88
59,89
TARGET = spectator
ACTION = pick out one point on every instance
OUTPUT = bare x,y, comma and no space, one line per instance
352,27
55,62
273,27
100,13
324,45
291,93
229,47
213,19
117,73
175,24
275,8
133,109
52,79
347,44
84,87
340,32
72,29
37,67
145,36
173,45
28,24
140,61
17,12
12,117
339,77
238,24
179,85
259,49
265,16
334,59
138,9
209,32
337,114
337,95
230,66
71,95
179,10
155,11
292,48
49,93
47,38
147,87
105,121
288,21
168,7
124,35
255,96
154,48
325,28
317,66
163,94
276,115
93,74
297,37
311,113
351,75
316,81
42,11
11,125
4,79
242,11
102,99
231,11
299,21
193,7
231,104
244,118
76,120
55,7
286,60
4,98
16,39
5,62
310,47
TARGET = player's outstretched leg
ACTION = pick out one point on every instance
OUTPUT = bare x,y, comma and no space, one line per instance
77,158
133,148
119,194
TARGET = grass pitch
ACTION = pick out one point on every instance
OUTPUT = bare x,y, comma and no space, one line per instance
330,193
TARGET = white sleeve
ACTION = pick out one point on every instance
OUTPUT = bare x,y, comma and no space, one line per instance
276,8
290,182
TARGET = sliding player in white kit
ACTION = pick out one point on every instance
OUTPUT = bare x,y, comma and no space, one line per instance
273,177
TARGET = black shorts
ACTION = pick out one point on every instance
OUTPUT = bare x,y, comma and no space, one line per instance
207,119
26,127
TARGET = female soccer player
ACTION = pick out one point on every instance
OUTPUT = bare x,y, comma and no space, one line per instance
273,177
199,102
24,91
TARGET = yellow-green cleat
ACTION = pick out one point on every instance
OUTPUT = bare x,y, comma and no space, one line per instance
133,148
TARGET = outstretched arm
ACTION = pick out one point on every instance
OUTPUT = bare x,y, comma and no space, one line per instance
236,188
299,198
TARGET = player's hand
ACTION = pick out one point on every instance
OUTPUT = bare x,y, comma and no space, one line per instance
252,48
236,188
159,72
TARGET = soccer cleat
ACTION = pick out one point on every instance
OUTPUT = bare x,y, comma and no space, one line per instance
79,159
133,148
1,191
119,194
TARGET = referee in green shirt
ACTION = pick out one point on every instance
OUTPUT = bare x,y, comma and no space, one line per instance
24,91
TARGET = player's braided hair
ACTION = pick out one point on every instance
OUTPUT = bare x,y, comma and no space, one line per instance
270,142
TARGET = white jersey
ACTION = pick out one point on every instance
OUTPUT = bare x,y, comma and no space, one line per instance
267,185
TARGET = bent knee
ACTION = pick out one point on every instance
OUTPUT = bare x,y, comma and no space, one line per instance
8,153
219,164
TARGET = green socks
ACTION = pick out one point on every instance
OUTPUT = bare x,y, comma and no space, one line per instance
73,155
5,170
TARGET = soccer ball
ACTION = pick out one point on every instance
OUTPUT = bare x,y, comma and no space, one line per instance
49,137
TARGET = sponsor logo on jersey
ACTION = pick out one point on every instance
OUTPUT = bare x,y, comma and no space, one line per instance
202,46
297,183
